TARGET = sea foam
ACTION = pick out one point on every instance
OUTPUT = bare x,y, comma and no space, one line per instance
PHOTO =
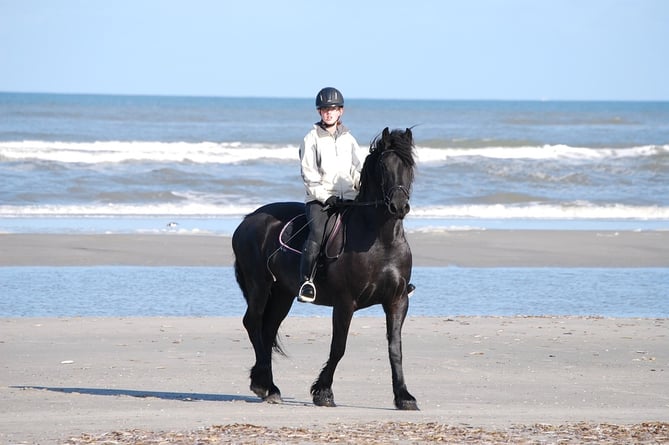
237,152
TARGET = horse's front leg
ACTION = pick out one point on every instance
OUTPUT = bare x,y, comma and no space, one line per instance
321,390
395,315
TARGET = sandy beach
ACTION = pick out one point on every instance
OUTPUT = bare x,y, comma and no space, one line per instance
477,379
61,378
493,248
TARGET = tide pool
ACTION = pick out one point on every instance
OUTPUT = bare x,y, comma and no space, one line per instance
112,291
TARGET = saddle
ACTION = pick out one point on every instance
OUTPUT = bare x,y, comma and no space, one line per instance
334,235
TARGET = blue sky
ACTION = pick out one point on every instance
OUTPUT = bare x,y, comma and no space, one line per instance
466,49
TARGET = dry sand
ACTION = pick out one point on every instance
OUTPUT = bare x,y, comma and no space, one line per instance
61,378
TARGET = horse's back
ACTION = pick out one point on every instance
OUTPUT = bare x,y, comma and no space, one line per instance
262,223
276,212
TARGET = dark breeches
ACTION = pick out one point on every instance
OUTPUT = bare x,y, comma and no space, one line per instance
317,220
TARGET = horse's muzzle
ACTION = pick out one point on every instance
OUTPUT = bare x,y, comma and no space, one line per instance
400,212
398,203
398,207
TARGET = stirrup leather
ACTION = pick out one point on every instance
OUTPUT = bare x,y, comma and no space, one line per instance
307,292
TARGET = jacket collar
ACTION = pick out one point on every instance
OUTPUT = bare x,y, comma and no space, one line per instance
322,131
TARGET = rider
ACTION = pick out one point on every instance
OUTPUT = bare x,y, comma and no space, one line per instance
330,161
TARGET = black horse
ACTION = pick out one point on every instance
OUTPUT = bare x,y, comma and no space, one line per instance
373,266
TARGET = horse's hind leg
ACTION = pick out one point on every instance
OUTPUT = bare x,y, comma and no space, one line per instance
262,320
261,372
261,379
278,306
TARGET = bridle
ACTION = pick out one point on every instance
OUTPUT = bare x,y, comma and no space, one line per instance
387,194
388,197
387,200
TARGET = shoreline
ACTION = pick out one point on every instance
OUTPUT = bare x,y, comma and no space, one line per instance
475,248
86,377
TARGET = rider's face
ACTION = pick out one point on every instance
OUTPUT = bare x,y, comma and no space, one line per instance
330,115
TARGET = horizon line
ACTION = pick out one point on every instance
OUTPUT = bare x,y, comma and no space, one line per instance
218,96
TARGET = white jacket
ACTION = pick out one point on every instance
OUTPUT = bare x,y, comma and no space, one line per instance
330,164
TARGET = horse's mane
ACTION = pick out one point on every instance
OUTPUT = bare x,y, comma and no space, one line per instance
399,142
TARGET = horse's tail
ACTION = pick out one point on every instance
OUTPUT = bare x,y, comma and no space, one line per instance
240,279
239,276
278,347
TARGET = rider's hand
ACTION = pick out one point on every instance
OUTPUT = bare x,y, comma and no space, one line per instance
332,201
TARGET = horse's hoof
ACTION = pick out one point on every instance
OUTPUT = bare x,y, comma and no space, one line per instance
324,398
260,391
274,398
407,405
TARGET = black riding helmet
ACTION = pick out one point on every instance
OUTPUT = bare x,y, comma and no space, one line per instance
329,97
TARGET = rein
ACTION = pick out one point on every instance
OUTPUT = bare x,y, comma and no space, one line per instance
343,206
284,244
354,203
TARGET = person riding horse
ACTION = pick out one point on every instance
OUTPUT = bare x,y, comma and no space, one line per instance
330,162
373,267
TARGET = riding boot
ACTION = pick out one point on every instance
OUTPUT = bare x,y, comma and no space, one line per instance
307,292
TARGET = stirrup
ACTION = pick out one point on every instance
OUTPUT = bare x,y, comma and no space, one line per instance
307,292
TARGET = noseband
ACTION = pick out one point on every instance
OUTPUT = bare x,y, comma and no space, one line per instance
389,196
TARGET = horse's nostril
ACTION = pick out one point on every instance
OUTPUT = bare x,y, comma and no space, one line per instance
398,209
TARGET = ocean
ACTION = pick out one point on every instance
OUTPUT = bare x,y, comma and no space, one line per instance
194,165
85,163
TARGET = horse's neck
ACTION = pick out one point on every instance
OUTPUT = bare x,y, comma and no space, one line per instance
391,231
379,224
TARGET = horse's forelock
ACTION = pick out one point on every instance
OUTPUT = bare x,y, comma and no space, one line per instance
399,141
403,146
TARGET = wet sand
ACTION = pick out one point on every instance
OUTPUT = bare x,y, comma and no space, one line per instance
494,248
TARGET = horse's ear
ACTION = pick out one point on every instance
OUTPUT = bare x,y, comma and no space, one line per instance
386,134
409,133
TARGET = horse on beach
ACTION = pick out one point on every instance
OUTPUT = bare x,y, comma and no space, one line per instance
373,266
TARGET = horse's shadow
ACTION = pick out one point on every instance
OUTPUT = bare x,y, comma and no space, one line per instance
164,395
